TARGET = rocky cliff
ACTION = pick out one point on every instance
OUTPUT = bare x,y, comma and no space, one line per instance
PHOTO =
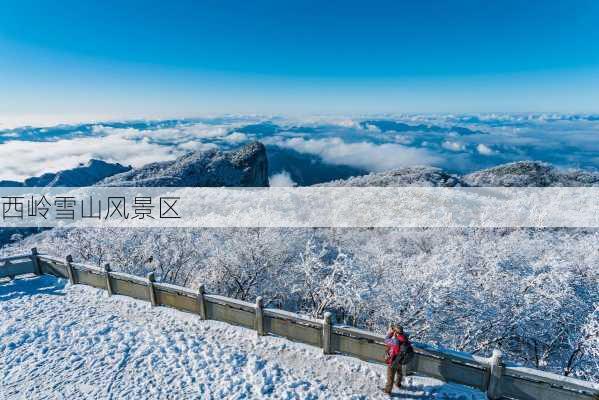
247,166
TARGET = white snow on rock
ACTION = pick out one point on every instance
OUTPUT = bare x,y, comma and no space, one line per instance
62,341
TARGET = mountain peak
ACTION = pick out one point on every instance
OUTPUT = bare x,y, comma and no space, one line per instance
516,174
531,174
247,166
406,176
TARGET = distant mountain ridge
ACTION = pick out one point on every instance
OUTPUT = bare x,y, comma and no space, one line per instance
516,174
531,174
249,167
407,176
82,175
386,125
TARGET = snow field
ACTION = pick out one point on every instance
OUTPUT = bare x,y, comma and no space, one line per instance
59,341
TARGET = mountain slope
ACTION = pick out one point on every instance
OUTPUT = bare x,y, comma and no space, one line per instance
531,173
83,175
247,166
518,174
408,176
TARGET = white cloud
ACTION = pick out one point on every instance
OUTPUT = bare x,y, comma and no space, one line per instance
341,121
236,137
206,131
367,155
176,134
372,128
196,146
453,146
484,149
346,123
282,179
403,139
21,159
513,136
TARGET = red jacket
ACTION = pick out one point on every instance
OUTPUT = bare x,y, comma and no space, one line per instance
393,343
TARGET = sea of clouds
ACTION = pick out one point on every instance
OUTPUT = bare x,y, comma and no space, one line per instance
458,143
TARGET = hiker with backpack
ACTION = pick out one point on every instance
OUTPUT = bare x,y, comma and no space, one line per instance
399,353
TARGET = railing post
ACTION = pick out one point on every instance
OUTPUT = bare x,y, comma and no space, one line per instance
152,293
7,265
36,262
259,322
326,333
108,282
70,272
202,302
496,370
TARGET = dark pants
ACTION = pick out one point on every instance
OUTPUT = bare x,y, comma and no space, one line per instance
393,374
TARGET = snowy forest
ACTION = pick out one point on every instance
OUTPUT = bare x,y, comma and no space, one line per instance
531,293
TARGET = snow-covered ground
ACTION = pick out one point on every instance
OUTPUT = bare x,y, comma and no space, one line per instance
62,341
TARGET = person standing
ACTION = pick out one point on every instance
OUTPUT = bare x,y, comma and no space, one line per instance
398,353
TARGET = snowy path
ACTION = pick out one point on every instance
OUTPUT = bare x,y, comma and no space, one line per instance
62,341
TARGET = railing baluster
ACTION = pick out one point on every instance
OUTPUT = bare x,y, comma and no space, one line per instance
496,370
108,282
70,272
36,262
202,302
259,322
326,333
152,293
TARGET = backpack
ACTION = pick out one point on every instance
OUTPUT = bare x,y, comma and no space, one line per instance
405,355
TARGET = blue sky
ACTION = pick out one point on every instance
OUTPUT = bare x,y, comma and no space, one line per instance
134,59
